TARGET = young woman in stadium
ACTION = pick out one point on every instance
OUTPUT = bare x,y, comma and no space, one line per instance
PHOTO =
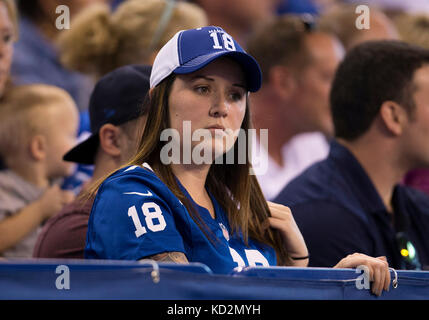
167,207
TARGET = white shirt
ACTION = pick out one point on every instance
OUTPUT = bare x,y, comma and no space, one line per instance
298,154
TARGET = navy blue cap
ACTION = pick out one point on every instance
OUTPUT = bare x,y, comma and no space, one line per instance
117,98
193,49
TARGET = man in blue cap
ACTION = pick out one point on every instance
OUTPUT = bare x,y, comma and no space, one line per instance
117,113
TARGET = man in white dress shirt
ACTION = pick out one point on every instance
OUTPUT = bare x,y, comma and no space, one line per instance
298,63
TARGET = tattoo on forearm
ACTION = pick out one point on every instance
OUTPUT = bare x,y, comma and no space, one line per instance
176,257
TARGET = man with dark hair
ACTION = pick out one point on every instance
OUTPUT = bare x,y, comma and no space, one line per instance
352,201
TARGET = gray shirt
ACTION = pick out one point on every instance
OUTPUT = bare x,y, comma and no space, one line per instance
15,194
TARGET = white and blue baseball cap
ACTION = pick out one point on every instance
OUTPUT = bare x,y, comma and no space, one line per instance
191,50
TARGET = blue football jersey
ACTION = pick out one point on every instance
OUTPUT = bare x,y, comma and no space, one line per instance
135,215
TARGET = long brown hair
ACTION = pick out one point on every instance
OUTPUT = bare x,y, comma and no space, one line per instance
232,186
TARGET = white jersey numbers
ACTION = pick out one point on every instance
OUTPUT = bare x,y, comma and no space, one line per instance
228,42
254,258
140,230
152,212
236,257
154,221
153,218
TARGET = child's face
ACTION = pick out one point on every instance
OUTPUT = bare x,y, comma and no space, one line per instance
61,137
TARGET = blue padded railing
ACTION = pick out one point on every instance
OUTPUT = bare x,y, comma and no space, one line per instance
106,279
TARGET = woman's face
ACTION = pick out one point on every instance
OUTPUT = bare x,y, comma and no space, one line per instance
210,105
6,45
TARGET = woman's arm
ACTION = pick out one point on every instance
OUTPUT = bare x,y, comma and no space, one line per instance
282,219
176,257
15,228
378,268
